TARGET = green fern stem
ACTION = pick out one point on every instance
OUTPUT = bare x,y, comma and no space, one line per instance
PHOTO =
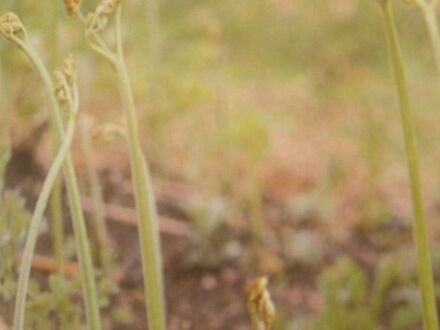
35,225
81,240
144,197
56,200
424,267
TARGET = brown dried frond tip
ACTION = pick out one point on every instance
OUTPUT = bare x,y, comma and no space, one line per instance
260,305
64,80
61,89
72,6
69,69
10,25
98,20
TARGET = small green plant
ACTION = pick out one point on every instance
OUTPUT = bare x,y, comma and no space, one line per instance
13,30
425,275
373,210
54,306
14,220
43,308
210,239
95,23
247,135
351,302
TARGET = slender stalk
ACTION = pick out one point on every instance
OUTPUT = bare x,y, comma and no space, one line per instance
3,92
371,151
37,218
104,249
424,267
256,210
144,197
53,31
153,19
429,15
56,224
153,24
56,208
82,244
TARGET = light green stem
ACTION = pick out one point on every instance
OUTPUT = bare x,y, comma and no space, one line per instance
144,198
37,218
82,244
56,206
424,267
99,222
56,223
53,8
153,22
3,92
256,210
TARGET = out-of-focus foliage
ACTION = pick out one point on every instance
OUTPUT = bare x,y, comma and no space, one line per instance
242,89
351,301
14,220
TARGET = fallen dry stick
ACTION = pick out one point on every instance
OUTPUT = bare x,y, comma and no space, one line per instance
128,216
165,189
47,265
116,213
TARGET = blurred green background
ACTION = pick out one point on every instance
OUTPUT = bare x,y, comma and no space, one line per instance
279,118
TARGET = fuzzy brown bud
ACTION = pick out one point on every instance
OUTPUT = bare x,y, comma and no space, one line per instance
260,305
72,6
